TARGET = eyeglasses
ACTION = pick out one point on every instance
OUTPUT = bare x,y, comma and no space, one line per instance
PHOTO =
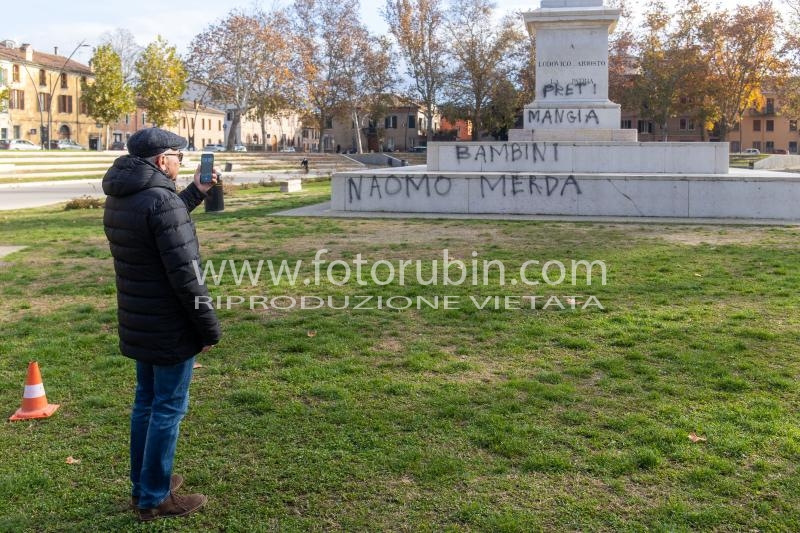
179,155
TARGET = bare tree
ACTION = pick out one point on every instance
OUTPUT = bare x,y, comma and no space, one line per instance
228,58
479,50
124,45
416,26
321,32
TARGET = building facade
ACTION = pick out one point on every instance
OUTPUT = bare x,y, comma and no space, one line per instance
765,129
403,127
283,130
44,96
200,125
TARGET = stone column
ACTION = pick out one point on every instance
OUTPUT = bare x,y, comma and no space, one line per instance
571,101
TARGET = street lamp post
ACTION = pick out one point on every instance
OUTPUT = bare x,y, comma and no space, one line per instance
81,44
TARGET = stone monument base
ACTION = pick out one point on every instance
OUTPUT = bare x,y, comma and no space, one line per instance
418,190
595,135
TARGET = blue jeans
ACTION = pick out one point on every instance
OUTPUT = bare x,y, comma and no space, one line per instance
162,399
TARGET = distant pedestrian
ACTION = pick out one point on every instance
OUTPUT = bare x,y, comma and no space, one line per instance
304,164
154,245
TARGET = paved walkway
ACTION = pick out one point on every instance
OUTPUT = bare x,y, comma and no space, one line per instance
8,250
41,193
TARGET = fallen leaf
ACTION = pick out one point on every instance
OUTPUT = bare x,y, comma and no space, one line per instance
72,461
694,437
573,301
312,333
197,365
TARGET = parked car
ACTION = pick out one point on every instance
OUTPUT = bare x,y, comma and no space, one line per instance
418,149
18,144
214,148
67,144
117,145
239,148
288,149
752,151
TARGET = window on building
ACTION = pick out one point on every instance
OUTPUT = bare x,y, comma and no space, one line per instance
219,125
770,125
192,122
202,123
643,126
770,147
3,76
329,122
757,125
64,103
16,100
42,77
64,84
84,107
626,124
229,116
682,124
183,122
770,106
3,133
44,102
144,117
792,125
127,118
412,122
792,147
15,73
757,145
735,147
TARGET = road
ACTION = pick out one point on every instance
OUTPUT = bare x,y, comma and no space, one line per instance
42,193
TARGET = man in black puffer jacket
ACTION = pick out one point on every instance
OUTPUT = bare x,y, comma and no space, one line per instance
161,326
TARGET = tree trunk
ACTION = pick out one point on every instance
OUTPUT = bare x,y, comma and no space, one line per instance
359,145
264,132
233,132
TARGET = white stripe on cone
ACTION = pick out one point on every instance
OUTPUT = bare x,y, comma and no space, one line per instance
33,391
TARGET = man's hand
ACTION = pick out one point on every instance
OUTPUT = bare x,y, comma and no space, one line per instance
205,187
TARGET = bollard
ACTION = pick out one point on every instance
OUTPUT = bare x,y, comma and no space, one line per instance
215,201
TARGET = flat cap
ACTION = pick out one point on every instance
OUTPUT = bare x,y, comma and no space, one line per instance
153,141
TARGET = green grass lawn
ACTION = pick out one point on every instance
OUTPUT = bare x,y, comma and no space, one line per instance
423,419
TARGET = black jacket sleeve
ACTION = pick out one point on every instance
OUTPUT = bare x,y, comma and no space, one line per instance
176,241
191,196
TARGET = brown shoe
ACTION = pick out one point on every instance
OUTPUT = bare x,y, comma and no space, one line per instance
175,481
174,505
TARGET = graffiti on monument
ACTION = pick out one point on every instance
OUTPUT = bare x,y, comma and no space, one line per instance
506,152
426,186
562,116
514,185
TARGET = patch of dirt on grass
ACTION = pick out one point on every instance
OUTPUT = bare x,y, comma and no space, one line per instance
723,235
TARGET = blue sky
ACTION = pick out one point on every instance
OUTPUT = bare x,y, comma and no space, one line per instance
45,24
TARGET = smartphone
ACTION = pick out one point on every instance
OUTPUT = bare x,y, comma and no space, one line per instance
206,167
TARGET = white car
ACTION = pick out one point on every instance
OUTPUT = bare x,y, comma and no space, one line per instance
239,148
752,151
288,149
213,148
19,144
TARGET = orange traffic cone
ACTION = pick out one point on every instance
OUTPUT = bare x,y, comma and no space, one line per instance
34,401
